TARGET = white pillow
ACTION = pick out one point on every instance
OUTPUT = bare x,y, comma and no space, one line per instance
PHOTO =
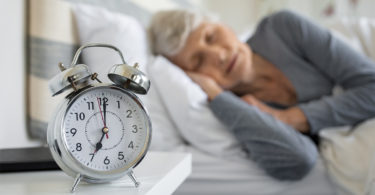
187,105
97,25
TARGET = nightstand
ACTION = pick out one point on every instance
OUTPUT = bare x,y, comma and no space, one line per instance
160,173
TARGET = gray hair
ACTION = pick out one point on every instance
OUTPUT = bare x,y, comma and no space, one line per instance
169,29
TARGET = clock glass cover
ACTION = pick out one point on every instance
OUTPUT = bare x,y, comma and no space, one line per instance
105,129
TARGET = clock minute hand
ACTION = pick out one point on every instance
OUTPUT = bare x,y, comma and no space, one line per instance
101,114
105,116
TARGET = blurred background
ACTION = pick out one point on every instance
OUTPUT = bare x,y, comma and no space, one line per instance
241,15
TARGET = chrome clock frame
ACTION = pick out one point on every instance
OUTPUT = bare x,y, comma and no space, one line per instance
63,156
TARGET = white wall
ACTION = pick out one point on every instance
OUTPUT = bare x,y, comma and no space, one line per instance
12,78
238,14
244,14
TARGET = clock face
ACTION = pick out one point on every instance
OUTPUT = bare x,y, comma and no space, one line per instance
105,129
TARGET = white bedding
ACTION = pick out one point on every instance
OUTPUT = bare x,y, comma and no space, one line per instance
219,165
217,176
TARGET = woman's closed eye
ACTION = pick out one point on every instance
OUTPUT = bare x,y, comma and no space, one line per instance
210,37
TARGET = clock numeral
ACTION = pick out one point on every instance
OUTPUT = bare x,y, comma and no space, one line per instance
80,116
90,105
78,147
121,155
118,104
73,131
92,156
131,145
103,100
106,160
129,114
135,129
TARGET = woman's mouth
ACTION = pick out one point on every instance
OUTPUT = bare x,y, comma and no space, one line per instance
232,63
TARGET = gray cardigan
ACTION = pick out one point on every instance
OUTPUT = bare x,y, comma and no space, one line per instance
314,61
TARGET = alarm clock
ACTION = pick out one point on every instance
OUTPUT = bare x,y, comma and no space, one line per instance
100,131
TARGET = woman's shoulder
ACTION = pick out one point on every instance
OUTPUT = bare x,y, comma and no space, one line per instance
284,18
284,15
286,24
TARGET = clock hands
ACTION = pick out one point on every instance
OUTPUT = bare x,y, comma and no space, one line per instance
99,145
105,129
105,114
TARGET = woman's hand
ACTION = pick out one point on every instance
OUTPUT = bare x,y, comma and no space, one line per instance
292,116
208,85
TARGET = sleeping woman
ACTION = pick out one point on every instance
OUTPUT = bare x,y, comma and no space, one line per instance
274,92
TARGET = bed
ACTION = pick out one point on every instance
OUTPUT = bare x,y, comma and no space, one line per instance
181,119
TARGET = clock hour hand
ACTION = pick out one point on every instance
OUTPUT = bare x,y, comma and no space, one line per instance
99,145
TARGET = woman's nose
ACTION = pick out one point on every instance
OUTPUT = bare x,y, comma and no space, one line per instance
219,55
222,57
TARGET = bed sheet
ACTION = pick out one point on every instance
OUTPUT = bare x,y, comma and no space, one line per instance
217,176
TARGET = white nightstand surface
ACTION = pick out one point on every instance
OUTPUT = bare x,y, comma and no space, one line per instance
160,173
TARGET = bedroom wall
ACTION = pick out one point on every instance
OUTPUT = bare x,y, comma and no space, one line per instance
242,15
12,79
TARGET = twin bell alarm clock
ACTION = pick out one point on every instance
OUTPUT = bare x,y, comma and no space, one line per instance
100,131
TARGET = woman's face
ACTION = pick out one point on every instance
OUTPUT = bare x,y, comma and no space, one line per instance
214,50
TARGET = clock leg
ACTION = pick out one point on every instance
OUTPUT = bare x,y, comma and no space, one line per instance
76,181
133,178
